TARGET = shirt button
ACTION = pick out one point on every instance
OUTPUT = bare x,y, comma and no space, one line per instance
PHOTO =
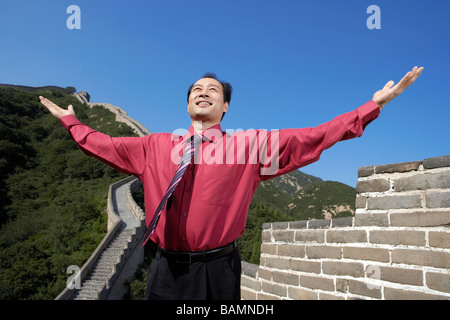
184,214
184,239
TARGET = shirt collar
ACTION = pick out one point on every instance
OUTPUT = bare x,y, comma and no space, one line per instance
207,135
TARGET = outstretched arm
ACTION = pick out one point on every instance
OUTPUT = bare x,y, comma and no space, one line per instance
389,92
126,154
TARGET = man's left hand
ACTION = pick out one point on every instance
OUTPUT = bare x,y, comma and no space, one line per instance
389,92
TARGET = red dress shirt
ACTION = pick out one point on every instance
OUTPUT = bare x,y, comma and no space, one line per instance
210,204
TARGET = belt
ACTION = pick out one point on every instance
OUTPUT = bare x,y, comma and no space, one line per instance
197,256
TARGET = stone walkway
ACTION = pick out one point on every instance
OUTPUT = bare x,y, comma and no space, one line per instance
121,207
95,280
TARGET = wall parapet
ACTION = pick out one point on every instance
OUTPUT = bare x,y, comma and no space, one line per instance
122,116
397,246
410,194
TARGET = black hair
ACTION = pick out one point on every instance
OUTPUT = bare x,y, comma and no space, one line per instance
226,88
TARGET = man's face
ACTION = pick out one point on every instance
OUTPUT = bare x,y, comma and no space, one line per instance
206,101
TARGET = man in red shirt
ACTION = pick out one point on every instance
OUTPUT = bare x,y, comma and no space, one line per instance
206,211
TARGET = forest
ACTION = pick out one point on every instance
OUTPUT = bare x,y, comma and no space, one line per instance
52,196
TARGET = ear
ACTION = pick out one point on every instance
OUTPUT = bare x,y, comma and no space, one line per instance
225,109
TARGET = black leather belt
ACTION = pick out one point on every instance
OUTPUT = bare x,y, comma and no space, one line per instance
196,256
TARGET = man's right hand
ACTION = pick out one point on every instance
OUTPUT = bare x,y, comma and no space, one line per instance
56,111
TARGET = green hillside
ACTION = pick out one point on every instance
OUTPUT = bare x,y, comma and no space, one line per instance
294,196
52,197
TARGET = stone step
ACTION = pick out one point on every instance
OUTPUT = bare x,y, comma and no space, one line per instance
100,275
103,268
85,297
89,290
108,266
86,292
104,263
93,281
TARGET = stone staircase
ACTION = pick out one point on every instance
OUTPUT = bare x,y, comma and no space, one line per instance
104,267
113,263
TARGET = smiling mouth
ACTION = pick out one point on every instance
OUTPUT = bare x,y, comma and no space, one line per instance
204,103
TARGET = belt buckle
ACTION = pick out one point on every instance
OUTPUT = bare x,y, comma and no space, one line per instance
183,257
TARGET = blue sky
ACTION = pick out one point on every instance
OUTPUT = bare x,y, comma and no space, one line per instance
292,64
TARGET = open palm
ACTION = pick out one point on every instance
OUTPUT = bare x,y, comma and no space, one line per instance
389,92
56,110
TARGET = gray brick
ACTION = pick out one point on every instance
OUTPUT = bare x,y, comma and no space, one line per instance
399,294
267,225
422,258
438,281
266,235
305,266
342,222
437,162
308,235
366,171
269,248
249,269
439,239
374,185
285,278
329,296
263,296
318,252
274,288
264,274
397,237
283,235
302,294
354,269
280,225
437,180
420,219
317,224
372,254
250,283
398,167
317,282
360,202
247,294
302,224
346,236
372,219
401,275
438,199
277,263
394,202
364,289
291,250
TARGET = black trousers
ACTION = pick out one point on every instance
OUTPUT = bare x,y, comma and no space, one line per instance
218,279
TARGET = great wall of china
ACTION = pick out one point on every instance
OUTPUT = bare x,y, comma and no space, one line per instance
397,246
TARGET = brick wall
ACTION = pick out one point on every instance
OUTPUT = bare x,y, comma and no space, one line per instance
397,246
